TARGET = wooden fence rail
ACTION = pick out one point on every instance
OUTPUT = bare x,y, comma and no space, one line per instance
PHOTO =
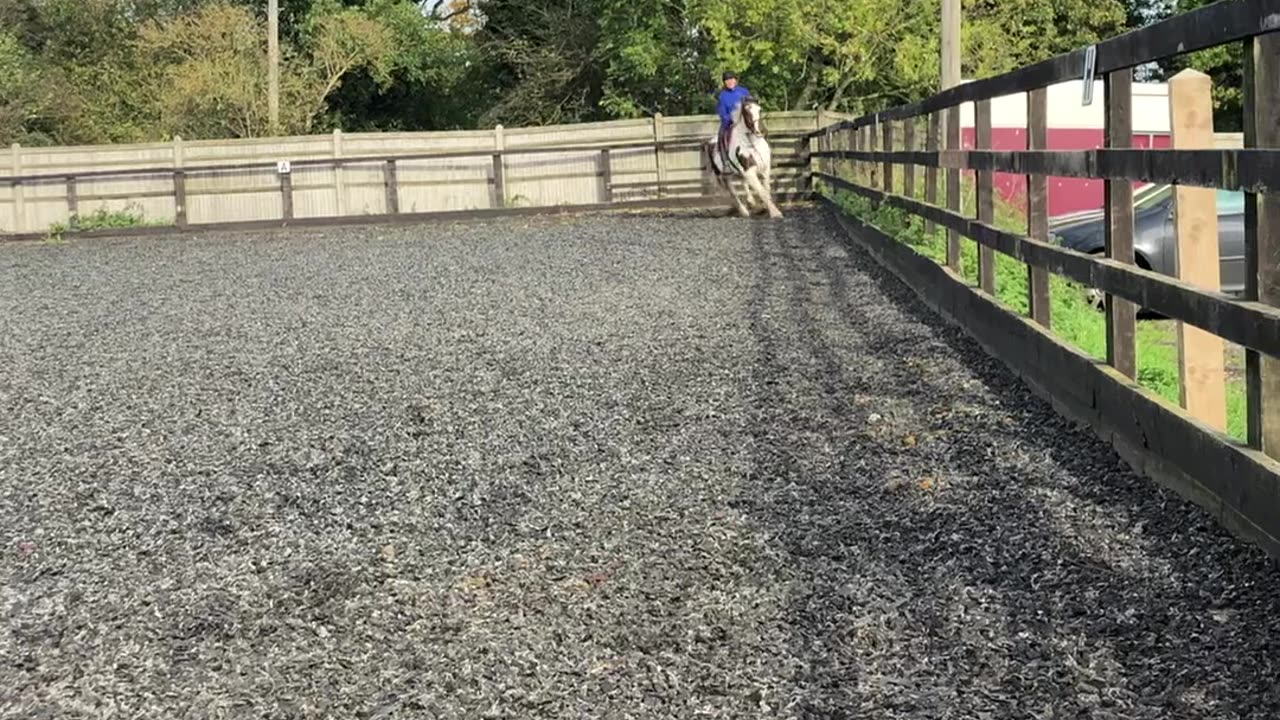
1241,483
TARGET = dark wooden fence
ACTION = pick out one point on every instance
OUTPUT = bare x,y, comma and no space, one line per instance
1239,483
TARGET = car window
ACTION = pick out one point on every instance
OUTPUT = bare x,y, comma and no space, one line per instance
1230,202
1151,195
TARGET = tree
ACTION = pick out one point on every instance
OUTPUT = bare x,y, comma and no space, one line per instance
209,77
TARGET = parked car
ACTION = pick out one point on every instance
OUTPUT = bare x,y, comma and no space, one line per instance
1154,243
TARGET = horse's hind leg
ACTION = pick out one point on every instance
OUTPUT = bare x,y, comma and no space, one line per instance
722,179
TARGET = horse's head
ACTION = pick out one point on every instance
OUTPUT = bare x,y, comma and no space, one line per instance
752,115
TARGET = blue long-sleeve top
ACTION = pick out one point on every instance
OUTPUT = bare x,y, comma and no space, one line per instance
729,100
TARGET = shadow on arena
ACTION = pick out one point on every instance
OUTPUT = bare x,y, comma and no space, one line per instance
1003,560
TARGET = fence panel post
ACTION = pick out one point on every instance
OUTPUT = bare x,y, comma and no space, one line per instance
986,197
19,201
909,169
1201,361
392,186
1038,204
73,198
286,196
953,190
931,171
606,175
499,172
1121,314
888,147
659,153
179,185
1262,237
339,175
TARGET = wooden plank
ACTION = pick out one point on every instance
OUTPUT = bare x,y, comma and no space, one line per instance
931,172
1216,24
986,198
180,198
1264,255
73,197
391,187
1238,486
1201,355
1122,330
1253,325
909,169
606,173
499,182
1038,206
953,189
887,144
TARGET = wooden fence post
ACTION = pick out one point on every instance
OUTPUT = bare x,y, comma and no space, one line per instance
499,172
872,142
73,197
1038,205
339,174
19,202
606,175
1121,314
1200,354
179,184
1262,237
986,197
909,169
391,185
286,192
660,153
887,170
953,190
931,171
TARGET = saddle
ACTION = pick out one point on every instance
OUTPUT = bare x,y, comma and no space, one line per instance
722,144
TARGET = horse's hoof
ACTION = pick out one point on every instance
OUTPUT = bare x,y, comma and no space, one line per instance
743,212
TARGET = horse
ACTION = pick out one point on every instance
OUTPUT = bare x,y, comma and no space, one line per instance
749,157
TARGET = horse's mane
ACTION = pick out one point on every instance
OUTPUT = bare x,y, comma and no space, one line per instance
736,115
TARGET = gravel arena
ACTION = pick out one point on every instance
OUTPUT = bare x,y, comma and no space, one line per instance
645,465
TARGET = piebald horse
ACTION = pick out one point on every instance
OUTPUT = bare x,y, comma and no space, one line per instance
749,157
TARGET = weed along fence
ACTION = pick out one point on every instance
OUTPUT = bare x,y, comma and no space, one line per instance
872,164
338,177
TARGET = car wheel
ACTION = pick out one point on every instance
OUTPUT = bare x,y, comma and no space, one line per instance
1095,297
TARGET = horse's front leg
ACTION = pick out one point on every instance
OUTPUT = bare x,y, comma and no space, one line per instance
752,177
727,184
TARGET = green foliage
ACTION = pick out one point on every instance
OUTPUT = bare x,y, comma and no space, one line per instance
132,70
102,219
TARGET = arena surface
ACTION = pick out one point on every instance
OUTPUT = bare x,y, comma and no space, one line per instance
607,466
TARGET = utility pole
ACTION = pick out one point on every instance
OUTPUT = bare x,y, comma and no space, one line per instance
950,43
273,65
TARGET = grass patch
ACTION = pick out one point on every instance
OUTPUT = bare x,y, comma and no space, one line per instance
103,219
1074,320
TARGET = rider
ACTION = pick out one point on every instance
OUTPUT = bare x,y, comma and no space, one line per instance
728,101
